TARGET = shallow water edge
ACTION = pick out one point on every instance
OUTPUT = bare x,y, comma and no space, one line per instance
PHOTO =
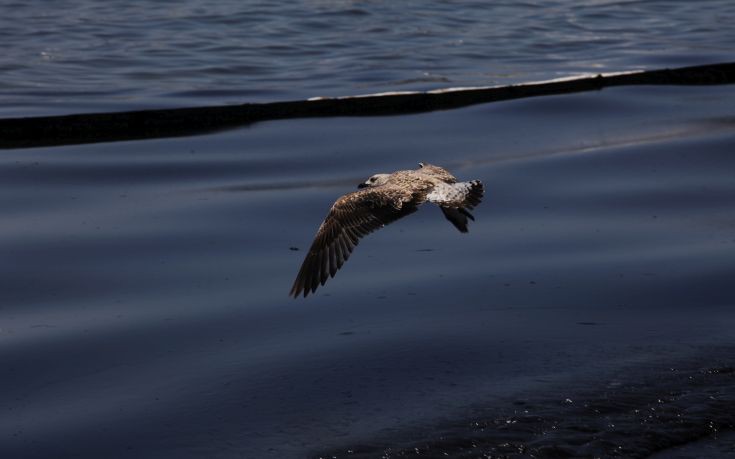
642,408
152,124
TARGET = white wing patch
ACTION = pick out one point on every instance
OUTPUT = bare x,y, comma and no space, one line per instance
449,193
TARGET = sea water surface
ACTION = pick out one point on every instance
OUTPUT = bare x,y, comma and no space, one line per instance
144,307
144,284
85,55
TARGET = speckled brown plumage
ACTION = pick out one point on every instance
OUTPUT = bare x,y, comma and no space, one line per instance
384,199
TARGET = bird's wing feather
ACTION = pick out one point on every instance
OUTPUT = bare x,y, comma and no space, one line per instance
458,216
437,172
352,216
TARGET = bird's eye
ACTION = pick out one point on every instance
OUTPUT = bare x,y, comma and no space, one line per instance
372,179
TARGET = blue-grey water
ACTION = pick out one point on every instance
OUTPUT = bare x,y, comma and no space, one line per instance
143,285
86,55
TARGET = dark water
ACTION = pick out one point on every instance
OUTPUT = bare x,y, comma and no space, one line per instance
143,285
78,56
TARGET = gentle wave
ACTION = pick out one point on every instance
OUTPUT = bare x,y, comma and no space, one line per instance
97,56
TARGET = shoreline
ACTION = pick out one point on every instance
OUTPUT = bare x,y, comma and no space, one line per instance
641,410
152,124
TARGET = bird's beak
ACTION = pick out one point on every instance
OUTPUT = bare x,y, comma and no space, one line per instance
362,185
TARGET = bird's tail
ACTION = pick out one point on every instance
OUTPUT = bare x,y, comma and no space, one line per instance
457,213
475,192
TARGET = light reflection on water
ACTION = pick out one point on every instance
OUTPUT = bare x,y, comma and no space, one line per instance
144,285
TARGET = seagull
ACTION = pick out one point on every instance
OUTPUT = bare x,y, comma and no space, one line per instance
382,199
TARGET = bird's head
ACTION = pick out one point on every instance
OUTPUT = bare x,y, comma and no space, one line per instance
375,180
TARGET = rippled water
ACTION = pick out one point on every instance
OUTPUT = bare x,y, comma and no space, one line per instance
76,56
144,306
144,284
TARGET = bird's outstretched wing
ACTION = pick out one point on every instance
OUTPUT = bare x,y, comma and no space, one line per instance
353,216
437,172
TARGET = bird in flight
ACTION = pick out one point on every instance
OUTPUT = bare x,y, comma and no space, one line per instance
382,199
